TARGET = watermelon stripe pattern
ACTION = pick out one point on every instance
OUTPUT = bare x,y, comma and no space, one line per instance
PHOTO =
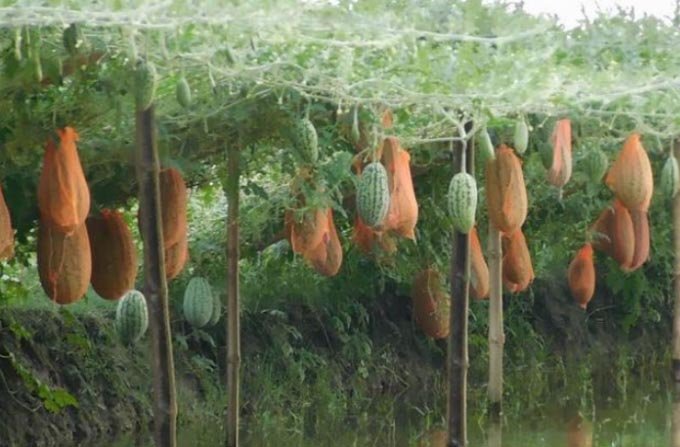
521,138
670,177
486,150
216,311
198,302
596,164
463,201
307,141
132,318
373,195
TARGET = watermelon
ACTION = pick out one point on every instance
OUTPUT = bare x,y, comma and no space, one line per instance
132,318
198,302
521,138
462,200
670,177
373,195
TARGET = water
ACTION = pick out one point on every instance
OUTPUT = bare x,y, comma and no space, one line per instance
643,422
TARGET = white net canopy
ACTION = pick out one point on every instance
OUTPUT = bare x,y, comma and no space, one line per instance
439,62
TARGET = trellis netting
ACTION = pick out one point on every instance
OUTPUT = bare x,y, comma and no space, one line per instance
440,62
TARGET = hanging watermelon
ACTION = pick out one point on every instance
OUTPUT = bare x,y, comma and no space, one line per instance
326,257
64,262
630,177
506,193
479,271
518,271
6,231
63,194
581,276
670,177
640,221
622,236
560,170
431,305
402,214
114,258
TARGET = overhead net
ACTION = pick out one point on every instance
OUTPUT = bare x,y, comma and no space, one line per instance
443,62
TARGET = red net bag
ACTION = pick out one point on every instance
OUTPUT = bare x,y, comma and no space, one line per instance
561,168
63,194
363,236
479,271
581,276
176,257
630,177
506,193
640,220
307,233
173,206
431,305
64,262
326,258
518,272
6,232
403,212
114,258
622,236
602,232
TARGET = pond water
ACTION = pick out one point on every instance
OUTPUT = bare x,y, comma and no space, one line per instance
642,422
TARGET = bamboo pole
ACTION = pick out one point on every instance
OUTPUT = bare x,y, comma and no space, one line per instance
675,430
458,341
496,336
233,323
155,284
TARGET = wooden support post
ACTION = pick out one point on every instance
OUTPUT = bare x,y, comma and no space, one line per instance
155,284
458,340
496,336
675,367
233,311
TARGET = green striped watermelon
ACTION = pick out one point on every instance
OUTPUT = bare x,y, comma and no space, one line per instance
373,195
198,302
462,200
132,317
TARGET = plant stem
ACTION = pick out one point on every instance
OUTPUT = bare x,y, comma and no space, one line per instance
155,284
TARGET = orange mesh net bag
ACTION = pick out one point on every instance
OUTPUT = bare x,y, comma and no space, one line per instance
176,257
363,236
615,234
581,276
560,171
6,232
369,241
630,177
63,194
602,232
307,233
403,212
640,220
431,305
479,271
518,272
622,236
506,193
173,205
326,258
64,262
114,259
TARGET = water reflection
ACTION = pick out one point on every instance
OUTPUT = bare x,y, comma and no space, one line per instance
639,422
579,432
